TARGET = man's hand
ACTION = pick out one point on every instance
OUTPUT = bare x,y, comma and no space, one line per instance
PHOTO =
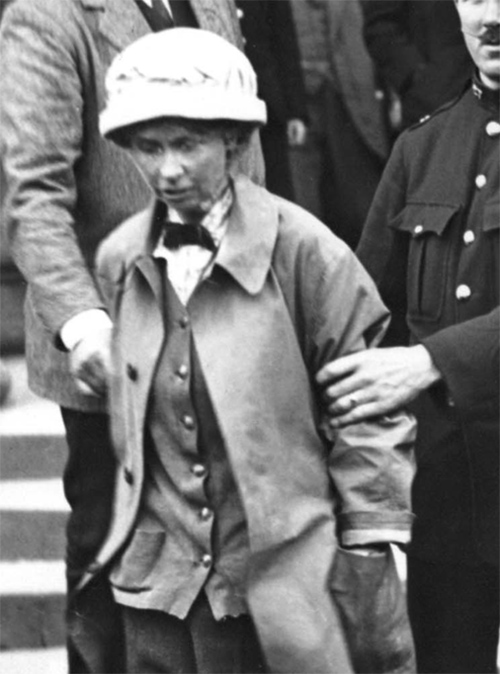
375,382
296,132
90,362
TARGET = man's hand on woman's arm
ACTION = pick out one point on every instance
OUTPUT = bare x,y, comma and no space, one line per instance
375,382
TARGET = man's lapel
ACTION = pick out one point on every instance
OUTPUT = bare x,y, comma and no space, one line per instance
122,23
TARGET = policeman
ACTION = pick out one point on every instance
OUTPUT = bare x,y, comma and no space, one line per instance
431,244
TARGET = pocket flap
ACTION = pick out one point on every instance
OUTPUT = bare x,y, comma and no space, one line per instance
418,219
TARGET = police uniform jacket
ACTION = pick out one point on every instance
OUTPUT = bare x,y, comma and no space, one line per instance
66,186
431,244
284,297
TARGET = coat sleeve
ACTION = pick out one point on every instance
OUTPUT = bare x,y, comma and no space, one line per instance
467,355
371,463
41,103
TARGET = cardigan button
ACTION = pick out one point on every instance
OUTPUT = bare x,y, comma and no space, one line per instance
206,561
128,475
132,372
199,470
188,422
183,372
205,514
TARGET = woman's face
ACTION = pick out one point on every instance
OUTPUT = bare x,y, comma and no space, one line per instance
187,168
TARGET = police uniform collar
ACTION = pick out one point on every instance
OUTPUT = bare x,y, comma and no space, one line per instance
488,98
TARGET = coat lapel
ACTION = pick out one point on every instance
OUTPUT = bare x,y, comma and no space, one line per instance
218,16
122,22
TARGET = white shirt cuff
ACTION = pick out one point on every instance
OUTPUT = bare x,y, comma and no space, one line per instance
84,323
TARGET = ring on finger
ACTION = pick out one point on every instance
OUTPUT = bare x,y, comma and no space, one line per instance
352,401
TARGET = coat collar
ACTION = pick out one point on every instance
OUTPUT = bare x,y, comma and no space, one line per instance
247,248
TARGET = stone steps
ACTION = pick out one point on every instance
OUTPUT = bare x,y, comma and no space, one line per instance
33,514
41,661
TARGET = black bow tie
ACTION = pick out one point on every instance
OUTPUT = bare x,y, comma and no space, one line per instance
177,235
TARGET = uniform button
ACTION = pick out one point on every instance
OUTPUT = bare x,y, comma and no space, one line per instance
418,230
481,181
183,372
493,128
450,401
205,514
188,421
132,372
469,237
128,475
463,292
206,561
240,13
199,470
184,322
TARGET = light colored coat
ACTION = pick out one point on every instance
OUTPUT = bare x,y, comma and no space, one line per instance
293,298
66,187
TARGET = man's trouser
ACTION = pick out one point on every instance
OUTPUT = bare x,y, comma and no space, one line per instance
95,634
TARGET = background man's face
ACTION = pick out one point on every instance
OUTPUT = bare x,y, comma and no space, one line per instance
480,24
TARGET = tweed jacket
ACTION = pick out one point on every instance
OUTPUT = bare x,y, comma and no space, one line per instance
431,244
284,297
66,187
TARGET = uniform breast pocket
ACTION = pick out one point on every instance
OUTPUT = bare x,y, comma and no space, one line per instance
429,257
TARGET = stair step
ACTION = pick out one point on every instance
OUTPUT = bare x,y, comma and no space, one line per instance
41,661
32,535
32,456
33,602
33,495
32,622
33,577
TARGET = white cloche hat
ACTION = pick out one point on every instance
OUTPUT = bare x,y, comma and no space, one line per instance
180,72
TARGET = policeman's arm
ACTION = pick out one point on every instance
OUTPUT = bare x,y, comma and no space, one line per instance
467,354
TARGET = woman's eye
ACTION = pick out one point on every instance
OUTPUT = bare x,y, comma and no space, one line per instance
149,147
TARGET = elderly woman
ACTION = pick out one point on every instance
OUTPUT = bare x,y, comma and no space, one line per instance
243,538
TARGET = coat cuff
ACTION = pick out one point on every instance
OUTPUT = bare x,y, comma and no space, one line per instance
366,528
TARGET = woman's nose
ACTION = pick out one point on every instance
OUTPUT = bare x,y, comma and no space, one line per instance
171,167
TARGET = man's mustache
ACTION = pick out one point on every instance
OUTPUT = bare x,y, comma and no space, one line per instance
490,35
